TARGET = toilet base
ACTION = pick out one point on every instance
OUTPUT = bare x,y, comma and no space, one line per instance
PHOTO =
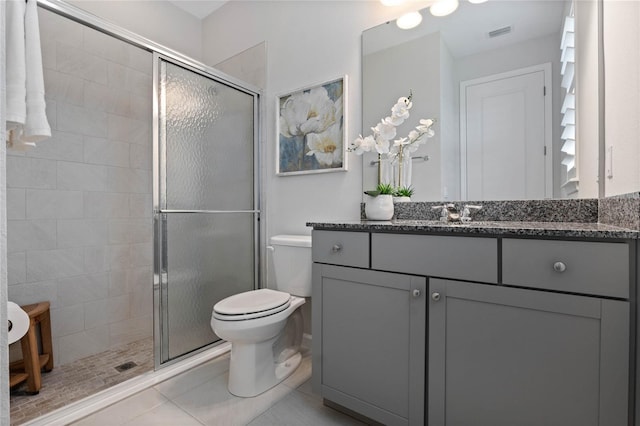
286,368
248,377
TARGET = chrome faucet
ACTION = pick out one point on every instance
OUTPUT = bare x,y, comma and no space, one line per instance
449,213
466,212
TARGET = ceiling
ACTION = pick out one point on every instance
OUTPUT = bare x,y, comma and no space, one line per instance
198,8
465,30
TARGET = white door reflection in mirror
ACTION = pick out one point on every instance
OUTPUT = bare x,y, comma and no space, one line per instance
503,144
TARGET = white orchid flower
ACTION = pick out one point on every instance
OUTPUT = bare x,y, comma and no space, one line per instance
382,145
385,129
404,101
362,145
400,111
425,124
414,135
326,146
308,112
395,120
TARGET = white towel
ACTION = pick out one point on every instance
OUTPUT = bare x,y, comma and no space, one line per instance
26,116
16,64
36,128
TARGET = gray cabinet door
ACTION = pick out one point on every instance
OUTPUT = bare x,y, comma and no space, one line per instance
503,356
369,342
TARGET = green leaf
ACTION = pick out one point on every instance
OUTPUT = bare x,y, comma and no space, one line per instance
405,191
385,189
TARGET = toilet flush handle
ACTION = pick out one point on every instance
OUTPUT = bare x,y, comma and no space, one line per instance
271,248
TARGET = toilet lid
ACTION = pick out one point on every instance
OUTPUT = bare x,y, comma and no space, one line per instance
252,302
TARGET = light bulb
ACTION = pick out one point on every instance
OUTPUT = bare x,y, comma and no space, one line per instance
443,7
409,20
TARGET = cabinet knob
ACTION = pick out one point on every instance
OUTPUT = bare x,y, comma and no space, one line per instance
435,296
336,248
416,292
559,267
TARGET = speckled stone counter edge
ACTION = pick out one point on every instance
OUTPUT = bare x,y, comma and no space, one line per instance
564,210
498,228
620,210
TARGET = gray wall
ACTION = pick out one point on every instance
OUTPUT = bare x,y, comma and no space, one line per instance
320,42
79,204
449,126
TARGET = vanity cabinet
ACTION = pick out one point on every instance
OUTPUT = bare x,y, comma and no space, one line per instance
511,330
436,256
505,356
585,267
368,342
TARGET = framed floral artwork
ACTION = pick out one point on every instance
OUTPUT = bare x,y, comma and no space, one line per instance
312,129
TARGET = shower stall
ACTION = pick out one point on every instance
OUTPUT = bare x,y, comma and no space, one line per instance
206,202
142,210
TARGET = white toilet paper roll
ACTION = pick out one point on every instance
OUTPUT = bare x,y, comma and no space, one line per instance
18,322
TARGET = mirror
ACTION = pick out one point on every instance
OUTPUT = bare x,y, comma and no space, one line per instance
517,115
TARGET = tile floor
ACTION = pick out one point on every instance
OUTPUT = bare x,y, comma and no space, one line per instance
76,380
200,397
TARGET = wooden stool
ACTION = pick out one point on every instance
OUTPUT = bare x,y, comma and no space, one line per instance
32,362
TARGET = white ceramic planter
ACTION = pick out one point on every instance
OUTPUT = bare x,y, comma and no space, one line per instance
401,199
379,208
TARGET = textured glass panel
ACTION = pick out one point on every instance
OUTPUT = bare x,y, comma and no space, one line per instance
210,257
209,143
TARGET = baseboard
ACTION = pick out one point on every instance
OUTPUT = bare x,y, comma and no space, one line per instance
89,405
351,413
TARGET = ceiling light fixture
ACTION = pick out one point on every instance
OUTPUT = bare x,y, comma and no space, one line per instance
477,1
409,20
443,7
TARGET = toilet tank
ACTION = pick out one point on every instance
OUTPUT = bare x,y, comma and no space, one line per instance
292,263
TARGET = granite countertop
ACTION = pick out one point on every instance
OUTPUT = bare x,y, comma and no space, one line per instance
492,228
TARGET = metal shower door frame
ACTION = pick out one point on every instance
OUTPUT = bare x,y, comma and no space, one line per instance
160,281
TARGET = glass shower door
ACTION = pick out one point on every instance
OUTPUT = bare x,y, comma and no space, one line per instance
206,203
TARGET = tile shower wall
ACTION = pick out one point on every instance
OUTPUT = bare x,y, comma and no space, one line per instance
79,204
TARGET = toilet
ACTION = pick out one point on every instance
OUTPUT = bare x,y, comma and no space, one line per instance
265,326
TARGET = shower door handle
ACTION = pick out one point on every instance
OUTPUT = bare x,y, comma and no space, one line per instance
164,211
160,241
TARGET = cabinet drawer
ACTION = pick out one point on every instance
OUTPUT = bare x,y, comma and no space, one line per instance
463,258
341,248
580,267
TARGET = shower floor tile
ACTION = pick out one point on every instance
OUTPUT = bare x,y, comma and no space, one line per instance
81,378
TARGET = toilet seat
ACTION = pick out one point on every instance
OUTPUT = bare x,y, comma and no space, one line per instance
251,305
